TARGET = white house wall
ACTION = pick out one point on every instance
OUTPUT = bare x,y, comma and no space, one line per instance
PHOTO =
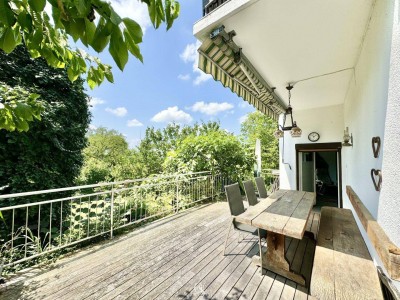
371,108
327,121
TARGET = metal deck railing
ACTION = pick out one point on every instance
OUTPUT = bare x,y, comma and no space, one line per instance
45,221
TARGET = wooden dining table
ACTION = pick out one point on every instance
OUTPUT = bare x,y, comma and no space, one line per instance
283,214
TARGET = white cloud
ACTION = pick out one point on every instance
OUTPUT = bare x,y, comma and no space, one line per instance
93,102
134,123
135,10
92,127
119,111
172,114
243,118
190,55
184,77
211,108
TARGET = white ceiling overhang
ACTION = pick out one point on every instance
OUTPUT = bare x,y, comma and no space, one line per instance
290,41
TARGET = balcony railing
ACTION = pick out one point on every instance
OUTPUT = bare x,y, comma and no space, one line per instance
210,5
40,222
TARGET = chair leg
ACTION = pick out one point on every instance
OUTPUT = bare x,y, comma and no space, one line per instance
227,236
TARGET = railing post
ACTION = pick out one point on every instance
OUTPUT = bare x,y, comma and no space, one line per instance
212,186
112,212
177,195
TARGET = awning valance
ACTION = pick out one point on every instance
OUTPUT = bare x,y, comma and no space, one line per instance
224,61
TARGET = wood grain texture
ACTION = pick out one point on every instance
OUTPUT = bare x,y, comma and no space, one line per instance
387,251
172,259
342,264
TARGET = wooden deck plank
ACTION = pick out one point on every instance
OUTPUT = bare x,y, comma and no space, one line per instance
185,290
229,263
265,286
141,285
252,286
122,267
277,288
195,269
95,264
288,290
185,261
233,277
241,284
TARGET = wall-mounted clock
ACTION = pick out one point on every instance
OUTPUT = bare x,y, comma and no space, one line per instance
313,136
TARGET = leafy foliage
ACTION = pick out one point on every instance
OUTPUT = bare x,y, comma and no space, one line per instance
259,126
216,151
107,157
154,147
49,154
18,107
26,22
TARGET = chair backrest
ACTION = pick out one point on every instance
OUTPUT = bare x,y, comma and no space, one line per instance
250,192
234,199
262,191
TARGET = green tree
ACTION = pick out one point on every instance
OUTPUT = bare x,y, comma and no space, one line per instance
107,158
260,126
216,151
49,154
156,144
92,22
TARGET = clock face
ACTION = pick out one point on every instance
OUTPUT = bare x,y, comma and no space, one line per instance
313,136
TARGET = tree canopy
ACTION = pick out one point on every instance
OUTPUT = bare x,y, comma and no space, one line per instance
216,151
106,158
49,154
92,22
260,126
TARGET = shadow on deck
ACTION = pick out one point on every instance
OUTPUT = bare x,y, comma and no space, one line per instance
176,258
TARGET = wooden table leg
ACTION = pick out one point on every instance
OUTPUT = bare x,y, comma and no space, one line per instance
274,259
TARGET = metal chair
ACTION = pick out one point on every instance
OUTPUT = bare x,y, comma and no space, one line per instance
250,192
262,190
236,208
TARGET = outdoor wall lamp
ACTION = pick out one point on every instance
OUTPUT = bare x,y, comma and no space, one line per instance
347,138
295,131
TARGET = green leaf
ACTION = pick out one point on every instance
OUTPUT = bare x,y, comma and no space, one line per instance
134,30
37,5
101,36
132,47
90,29
25,20
8,41
109,75
77,28
6,14
81,7
72,74
91,78
114,17
118,49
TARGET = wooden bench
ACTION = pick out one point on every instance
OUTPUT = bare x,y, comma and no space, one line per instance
343,268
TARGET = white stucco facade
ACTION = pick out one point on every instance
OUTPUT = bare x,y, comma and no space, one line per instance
371,108
345,63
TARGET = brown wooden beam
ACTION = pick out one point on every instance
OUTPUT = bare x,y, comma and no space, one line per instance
387,251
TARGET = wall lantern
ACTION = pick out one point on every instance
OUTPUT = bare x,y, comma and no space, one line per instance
288,123
347,138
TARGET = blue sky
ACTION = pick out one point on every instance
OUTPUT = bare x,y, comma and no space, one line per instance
167,86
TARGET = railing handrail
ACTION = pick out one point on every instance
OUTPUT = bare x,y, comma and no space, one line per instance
82,187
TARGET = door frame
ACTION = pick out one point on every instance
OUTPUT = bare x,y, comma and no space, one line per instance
321,147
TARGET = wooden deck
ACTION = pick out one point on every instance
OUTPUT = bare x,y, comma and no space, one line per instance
176,258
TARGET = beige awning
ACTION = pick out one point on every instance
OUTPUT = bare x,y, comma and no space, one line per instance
225,63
